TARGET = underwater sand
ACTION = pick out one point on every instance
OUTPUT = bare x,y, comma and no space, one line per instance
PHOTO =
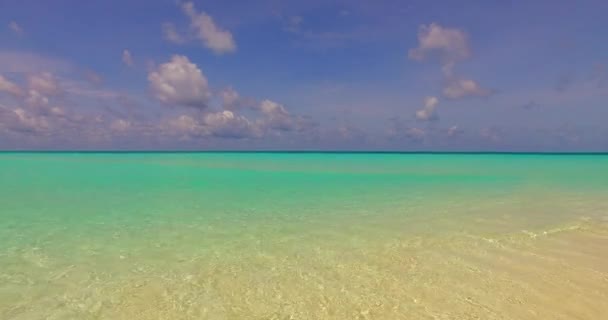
303,236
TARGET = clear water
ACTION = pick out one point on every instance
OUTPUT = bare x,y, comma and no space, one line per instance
303,236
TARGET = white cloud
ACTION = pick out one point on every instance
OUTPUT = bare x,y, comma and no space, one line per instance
229,124
180,82
35,98
461,88
9,87
44,83
36,112
184,125
15,27
428,111
127,58
57,122
226,124
213,37
451,44
221,124
272,108
56,111
41,86
277,116
171,34
272,118
30,122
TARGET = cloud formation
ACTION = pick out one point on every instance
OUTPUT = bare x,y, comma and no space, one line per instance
450,46
9,87
41,87
278,118
35,119
268,118
227,124
44,83
220,124
428,111
32,114
30,122
457,88
220,41
184,125
180,82
272,108
36,99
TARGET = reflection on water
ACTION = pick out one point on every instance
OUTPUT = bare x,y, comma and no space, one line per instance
220,237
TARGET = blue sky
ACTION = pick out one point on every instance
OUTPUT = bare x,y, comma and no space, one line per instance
344,75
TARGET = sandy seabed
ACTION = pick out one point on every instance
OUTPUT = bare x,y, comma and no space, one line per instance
558,273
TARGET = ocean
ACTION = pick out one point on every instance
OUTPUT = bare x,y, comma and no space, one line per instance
303,236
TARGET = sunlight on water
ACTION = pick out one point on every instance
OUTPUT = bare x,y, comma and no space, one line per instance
303,236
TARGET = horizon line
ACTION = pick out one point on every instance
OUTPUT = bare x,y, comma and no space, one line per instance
118,151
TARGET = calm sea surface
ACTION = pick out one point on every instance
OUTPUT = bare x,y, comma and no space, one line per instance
303,236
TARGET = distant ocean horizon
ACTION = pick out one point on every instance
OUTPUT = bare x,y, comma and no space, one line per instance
303,235
304,151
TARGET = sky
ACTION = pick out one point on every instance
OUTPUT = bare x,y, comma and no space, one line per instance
393,75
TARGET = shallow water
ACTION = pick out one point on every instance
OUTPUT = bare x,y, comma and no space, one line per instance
303,236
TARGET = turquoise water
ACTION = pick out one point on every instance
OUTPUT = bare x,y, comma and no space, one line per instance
302,236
